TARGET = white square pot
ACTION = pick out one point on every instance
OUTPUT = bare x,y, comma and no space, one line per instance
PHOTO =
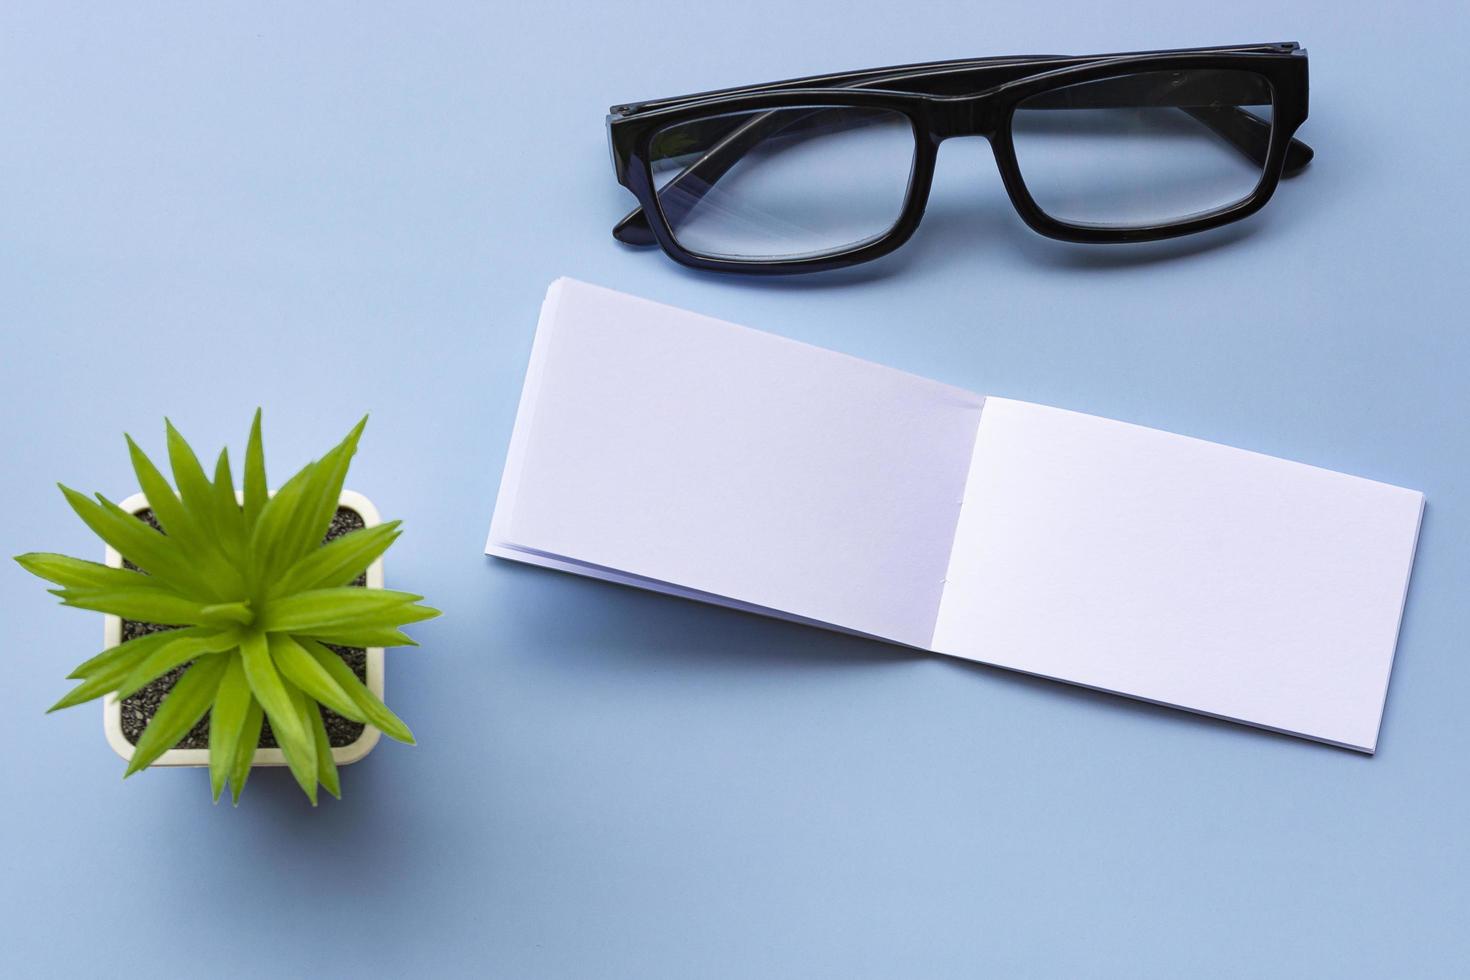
342,755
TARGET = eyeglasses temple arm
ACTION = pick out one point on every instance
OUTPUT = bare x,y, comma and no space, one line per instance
634,229
1251,135
679,195
1217,108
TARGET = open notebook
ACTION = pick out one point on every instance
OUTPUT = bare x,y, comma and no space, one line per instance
659,448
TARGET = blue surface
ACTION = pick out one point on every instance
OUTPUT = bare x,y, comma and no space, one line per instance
359,208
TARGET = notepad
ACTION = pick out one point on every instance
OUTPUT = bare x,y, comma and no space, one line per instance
664,449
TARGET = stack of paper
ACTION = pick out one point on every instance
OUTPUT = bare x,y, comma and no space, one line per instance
664,449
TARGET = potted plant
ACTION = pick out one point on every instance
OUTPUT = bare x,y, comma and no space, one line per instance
243,628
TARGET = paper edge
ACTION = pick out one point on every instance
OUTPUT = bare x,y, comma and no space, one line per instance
520,434
1399,629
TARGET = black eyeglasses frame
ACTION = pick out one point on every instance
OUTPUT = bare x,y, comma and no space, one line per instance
976,97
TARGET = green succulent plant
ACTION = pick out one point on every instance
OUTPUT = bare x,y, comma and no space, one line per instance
254,594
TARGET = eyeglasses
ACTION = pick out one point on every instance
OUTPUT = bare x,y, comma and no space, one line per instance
828,171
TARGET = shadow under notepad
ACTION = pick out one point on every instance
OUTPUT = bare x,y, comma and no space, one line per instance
681,632
665,632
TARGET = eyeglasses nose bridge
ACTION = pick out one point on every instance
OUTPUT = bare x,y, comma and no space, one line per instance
964,115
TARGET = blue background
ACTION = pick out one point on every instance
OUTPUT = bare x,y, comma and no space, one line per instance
359,208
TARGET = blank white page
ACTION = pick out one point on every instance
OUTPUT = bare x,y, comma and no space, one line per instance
1179,571
655,445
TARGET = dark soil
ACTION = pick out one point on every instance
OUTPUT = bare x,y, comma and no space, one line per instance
139,707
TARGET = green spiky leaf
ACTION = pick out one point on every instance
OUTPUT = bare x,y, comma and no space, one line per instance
194,488
133,651
301,754
307,611
368,703
254,593
245,749
89,576
302,669
104,672
268,688
182,708
176,522
138,543
355,636
153,606
338,562
255,485
228,517
317,502
326,766
180,650
227,723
